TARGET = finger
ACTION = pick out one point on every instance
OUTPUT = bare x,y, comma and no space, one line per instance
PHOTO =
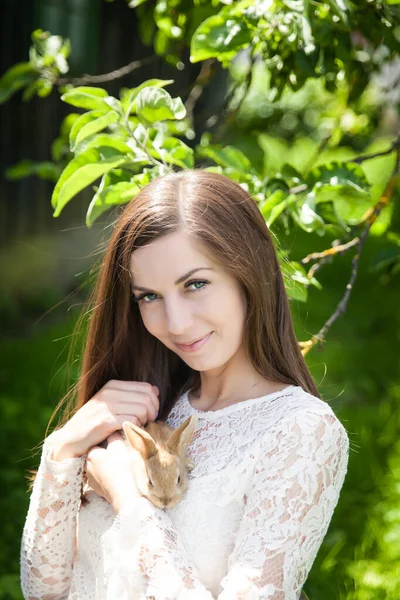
140,387
124,404
116,444
95,486
141,410
114,437
139,401
132,385
121,418
95,453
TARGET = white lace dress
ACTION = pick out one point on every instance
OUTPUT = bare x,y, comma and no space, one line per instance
267,477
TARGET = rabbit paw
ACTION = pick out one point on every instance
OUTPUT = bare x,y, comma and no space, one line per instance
189,463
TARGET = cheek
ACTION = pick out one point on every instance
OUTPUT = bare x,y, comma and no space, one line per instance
229,308
151,321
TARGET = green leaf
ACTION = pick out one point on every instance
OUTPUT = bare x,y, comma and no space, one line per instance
45,170
155,104
161,43
50,45
176,152
112,192
44,88
17,77
84,176
90,123
296,279
219,36
337,174
278,209
135,3
128,96
346,186
108,195
306,217
90,156
90,98
308,39
271,201
235,175
351,206
227,156
106,140
379,170
340,8
291,175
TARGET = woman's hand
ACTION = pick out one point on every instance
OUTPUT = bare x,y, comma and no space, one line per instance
116,402
110,472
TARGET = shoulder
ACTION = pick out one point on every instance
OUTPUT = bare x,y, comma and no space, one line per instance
308,412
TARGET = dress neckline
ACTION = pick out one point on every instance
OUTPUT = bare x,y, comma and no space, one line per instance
238,405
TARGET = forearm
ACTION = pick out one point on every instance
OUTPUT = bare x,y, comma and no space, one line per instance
48,539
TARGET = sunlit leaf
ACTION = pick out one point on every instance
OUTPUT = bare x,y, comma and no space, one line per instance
108,194
90,98
218,36
15,78
83,177
155,104
128,96
227,156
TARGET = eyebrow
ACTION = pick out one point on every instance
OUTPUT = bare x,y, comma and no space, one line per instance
178,281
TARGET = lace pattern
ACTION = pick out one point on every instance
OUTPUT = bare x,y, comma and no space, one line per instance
267,477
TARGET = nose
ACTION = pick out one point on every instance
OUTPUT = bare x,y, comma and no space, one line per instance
179,319
165,500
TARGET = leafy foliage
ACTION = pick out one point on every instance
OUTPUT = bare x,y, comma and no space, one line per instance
127,142
296,39
47,60
123,143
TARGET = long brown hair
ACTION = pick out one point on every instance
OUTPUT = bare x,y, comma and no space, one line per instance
224,218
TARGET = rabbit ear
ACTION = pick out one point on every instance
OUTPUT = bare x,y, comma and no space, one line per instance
140,440
181,436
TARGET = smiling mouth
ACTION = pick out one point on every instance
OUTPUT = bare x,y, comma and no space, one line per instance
190,343
195,345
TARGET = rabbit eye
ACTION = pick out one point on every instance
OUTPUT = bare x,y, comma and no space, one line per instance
179,479
151,483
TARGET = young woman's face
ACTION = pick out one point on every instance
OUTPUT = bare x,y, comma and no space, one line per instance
179,307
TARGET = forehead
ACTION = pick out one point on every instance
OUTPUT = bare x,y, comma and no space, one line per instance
173,254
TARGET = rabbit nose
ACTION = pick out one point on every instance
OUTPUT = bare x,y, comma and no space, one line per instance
165,500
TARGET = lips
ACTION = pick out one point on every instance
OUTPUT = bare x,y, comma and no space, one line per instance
195,345
190,343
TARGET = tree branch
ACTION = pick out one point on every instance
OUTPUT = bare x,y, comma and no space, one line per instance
327,255
117,74
341,307
207,71
303,187
395,146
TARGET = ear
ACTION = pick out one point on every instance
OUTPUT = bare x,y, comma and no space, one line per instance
180,438
140,440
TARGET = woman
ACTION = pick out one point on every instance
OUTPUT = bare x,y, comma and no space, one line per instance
190,258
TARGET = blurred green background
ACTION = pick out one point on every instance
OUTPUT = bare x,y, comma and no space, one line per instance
45,262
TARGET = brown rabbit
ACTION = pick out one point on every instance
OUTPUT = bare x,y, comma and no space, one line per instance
161,464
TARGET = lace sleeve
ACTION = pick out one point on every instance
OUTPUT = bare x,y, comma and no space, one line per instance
295,490
48,539
288,508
